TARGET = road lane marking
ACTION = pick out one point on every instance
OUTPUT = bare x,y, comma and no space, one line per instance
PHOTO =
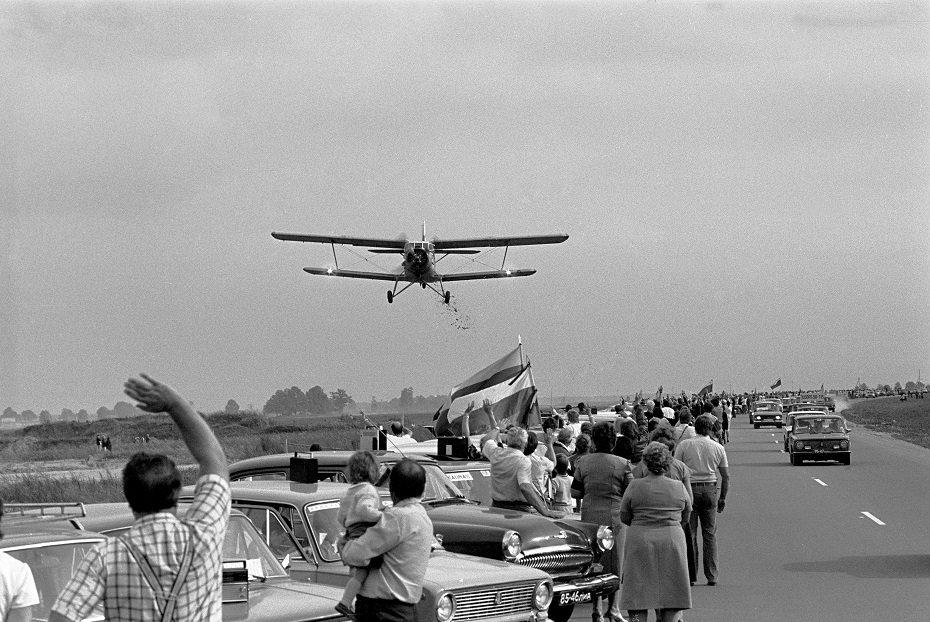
821,482
871,517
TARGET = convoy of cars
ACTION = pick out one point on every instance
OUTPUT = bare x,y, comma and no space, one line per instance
567,550
299,522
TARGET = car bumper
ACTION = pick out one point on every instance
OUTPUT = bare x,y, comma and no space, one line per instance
822,455
583,590
768,422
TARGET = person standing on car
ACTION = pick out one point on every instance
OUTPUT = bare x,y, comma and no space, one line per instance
18,592
512,473
404,537
710,484
163,566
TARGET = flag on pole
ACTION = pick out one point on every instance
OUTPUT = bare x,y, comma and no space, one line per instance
776,385
506,384
708,389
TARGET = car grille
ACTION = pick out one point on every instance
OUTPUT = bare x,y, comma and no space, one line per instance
485,603
822,445
557,563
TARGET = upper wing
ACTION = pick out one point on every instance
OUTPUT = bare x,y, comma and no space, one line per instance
338,239
356,274
511,241
497,274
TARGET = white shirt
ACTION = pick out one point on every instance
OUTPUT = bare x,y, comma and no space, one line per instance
17,587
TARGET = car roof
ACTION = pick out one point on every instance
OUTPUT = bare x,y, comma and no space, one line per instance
288,492
336,458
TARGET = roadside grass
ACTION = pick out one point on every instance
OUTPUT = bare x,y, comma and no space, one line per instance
26,455
908,421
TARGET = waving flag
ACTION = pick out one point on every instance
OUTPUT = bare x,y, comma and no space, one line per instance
508,386
708,389
776,385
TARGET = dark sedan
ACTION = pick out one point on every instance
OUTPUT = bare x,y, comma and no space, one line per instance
818,437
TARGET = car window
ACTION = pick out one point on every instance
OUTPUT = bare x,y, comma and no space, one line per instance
244,542
271,476
325,528
52,566
272,527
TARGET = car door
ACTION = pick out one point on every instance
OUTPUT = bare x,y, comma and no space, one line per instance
274,523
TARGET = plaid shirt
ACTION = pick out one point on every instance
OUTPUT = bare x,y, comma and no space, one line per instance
109,574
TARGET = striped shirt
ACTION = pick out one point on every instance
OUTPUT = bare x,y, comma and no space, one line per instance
109,574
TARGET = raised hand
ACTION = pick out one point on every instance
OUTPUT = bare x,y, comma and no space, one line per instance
151,396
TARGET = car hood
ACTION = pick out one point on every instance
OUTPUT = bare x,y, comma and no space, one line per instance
536,531
464,571
282,599
821,437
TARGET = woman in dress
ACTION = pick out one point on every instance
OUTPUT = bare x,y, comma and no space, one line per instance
655,566
600,481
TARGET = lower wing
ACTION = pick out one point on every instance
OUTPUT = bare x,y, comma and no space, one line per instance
496,274
356,274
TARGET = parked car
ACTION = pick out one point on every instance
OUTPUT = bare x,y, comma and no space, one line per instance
299,523
52,549
818,437
256,587
767,414
568,550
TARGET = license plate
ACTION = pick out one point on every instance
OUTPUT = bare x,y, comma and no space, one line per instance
574,597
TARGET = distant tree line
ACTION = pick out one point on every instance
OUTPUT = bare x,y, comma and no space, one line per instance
315,400
910,385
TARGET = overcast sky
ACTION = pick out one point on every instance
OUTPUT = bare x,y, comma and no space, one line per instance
745,186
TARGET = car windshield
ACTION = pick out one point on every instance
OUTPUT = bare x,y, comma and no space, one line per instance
52,566
438,487
475,484
829,425
766,407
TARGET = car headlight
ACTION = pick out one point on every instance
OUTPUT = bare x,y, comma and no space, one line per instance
605,537
799,445
512,545
542,597
445,608
777,417
758,418
844,444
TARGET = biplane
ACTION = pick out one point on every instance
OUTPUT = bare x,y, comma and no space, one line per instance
420,258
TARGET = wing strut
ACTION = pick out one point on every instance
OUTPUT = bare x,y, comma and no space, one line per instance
504,260
333,244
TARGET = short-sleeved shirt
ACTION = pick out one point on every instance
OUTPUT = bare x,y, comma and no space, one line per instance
110,574
704,456
509,469
17,587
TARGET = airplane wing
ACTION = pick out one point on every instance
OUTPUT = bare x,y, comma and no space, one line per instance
496,274
441,245
338,239
356,274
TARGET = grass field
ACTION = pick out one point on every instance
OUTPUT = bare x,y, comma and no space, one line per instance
61,462
908,421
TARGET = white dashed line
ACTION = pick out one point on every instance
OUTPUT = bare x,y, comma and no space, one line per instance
871,517
821,482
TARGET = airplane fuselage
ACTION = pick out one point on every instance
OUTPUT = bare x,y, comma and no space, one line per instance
419,258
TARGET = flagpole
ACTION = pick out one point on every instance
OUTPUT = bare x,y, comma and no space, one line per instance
520,345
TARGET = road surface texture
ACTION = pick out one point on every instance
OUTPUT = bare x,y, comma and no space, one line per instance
819,542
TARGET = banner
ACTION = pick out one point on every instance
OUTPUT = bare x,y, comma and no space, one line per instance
708,389
509,389
776,385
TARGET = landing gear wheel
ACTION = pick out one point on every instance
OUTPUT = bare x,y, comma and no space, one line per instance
447,297
390,296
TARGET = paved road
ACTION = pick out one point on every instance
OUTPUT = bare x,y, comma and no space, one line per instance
796,544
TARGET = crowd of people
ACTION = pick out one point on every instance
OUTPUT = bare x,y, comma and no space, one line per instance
657,474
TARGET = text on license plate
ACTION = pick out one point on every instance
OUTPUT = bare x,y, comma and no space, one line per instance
574,597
